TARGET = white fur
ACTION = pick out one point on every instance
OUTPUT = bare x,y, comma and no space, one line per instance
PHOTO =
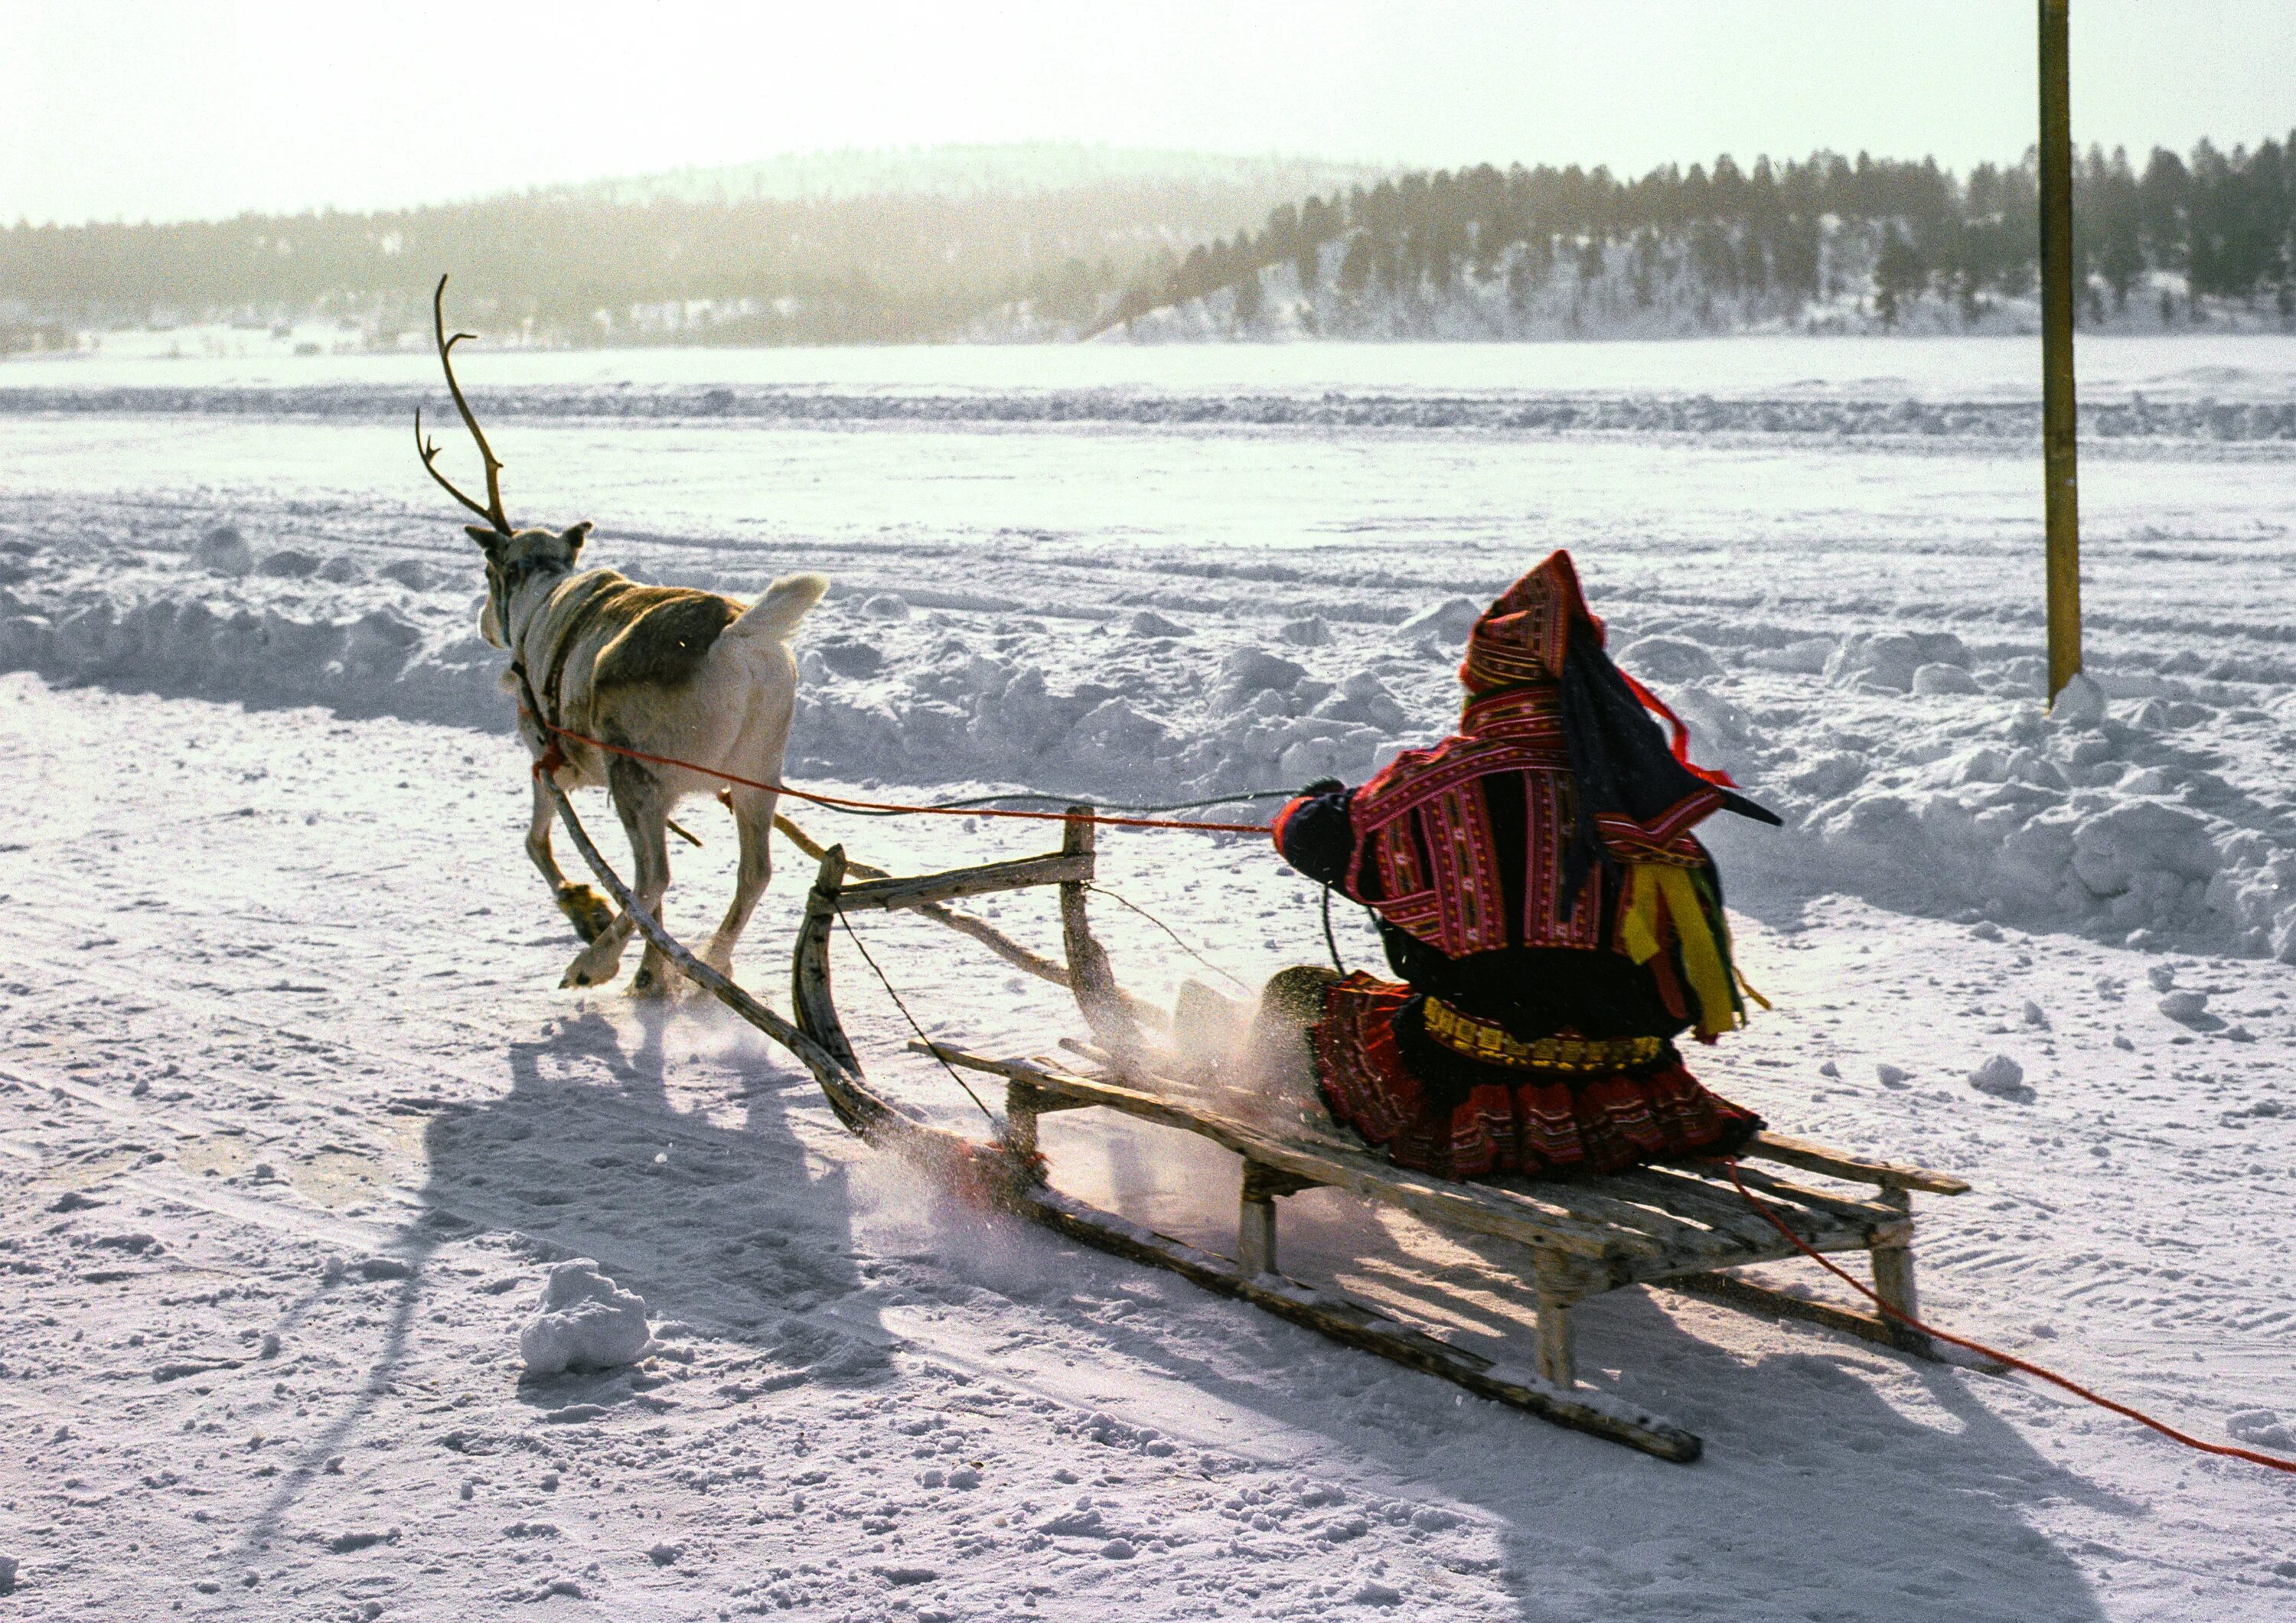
734,716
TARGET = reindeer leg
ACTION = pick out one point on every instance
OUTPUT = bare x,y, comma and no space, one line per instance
583,906
644,807
639,802
753,815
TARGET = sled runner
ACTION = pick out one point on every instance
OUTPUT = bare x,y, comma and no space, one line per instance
1682,1227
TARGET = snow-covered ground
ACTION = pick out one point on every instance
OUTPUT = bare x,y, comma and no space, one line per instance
299,1123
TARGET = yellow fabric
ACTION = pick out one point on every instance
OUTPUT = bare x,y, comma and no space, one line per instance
1651,885
1638,920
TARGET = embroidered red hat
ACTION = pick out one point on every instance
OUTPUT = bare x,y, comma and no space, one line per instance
1523,635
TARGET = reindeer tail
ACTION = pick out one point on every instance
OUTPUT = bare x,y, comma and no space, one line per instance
786,601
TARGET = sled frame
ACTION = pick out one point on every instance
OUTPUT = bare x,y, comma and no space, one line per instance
1680,1227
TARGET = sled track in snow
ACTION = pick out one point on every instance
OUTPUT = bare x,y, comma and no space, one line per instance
2106,424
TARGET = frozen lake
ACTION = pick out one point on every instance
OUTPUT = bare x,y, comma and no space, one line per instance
1976,368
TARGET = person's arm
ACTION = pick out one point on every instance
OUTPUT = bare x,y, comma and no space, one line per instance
1314,832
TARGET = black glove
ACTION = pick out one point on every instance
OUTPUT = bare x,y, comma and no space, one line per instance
1324,786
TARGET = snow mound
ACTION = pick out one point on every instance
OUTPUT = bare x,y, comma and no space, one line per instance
1447,621
2260,1428
1669,659
2001,1077
586,1321
2187,1006
224,550
1913,767
1147,622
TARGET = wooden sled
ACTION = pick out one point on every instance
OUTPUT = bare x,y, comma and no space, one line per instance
1682,1227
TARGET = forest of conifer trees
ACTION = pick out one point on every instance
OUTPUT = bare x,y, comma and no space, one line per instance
2221,226
1715,246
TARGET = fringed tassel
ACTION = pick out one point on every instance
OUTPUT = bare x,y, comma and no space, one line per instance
1665,902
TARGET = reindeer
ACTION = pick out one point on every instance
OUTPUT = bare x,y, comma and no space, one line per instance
663,670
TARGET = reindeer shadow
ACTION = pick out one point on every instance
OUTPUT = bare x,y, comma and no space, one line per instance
589,1155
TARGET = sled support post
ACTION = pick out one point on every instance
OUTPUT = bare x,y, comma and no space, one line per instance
1894,1279
1255,1233
1021,1118
1255,1229
1102,1002
1556,1363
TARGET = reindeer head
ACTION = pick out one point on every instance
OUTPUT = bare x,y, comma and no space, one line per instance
513,561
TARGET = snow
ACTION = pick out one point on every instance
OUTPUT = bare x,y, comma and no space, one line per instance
584,1321
299,1127
1855,633
2002,1077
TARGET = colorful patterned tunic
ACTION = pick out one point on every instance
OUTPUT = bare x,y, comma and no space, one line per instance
1554,922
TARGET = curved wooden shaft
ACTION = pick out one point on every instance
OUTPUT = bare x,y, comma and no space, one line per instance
874,1119
1105,1008
809,987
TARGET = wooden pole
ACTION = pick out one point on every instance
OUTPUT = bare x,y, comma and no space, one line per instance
2058,435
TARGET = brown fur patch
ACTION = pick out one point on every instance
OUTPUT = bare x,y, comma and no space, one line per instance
670,630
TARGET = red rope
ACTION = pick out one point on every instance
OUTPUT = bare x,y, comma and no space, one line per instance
2267,1460
551,759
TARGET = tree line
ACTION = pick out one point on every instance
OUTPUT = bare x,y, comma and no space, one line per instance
578,268
574,268
2224,223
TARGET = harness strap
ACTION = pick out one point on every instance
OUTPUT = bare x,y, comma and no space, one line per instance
587,611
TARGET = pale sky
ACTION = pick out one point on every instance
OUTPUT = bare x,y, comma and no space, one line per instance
147,109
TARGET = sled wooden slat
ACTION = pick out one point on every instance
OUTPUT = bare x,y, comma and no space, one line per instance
1504,1215
1695,1198
916,893
1639,1204
1853,1169
1849,1208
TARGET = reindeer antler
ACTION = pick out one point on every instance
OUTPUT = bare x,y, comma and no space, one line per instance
492,513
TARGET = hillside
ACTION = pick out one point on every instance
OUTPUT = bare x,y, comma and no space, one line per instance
1821,244
1051,242
842,247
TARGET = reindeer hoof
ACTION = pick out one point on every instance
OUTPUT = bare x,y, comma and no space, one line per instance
650,982
590,970
586,909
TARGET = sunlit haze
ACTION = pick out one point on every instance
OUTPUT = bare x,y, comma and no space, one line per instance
130,111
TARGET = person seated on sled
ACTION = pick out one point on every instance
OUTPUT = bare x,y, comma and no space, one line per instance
1554,922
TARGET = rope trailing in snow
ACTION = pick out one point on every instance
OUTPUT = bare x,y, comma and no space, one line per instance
2267,1460
551,760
